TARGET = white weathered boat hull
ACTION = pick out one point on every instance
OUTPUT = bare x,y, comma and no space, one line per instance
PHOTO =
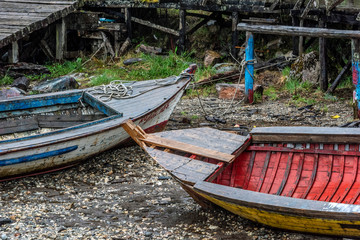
54,152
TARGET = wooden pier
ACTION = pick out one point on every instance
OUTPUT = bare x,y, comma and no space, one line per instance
19,18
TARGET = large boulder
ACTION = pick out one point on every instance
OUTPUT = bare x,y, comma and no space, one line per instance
211,57
58,84
306,68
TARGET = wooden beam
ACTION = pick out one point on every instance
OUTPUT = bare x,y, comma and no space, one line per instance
323,57
128,22
185,147
182,30
235,33
339,77
158,27
46,49
299,31
14,52
201,23
334,4
60,39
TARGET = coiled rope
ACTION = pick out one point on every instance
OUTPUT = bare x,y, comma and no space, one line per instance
119,89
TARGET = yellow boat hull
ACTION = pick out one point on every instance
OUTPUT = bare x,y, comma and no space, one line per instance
289,222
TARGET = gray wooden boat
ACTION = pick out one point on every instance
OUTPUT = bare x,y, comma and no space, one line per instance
47,132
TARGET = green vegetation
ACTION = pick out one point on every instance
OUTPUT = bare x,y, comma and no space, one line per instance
346,83
257,97
60,69
6,80
272,93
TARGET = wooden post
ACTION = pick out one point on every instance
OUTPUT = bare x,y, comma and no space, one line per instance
60,39
323,57
235,33
128,22
14,52
301,39
295,40
355,49
249,68
182,30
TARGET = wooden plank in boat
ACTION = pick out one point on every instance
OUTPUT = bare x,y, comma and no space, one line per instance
185,147
305,134
63,121
21,125
186,169
207,138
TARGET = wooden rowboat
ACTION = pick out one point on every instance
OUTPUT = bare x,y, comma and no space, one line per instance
48,132
303,179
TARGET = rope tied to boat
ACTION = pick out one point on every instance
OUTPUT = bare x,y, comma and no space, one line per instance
114,90
119,89
242,66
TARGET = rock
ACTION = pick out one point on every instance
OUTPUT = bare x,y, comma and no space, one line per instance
149,49
132,61
225,67
22,83
306,68
164,178
5,221
227,91
211,57
274,44
147,234
3,236
10,92
57,84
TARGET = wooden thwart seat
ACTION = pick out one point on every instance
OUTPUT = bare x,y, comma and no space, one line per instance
185,147
141,137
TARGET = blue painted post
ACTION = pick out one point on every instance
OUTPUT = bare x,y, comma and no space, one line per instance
355,44
249,68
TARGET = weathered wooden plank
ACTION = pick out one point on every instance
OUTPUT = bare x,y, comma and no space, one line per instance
35,9
207,138
299,31
186,169
306,134
185,147
14,126
43,2
20,14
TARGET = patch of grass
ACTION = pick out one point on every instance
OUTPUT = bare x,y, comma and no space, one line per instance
257,97
297,99
346,83
272,93
292,85
286,71
105,76
6,80
60,69
194,117
324,108
330,97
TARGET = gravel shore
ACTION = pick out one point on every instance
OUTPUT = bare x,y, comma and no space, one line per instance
122,194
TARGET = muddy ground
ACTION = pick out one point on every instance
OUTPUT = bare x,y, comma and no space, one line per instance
122,194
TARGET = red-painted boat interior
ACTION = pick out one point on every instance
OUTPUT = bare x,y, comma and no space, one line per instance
323,172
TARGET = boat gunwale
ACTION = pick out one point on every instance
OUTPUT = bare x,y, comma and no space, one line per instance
85,134
279,204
